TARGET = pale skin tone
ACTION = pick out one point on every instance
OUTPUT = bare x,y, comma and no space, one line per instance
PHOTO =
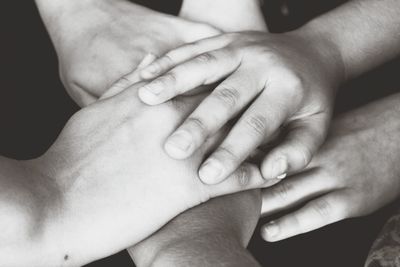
214,233
273,80
352,63
355,173
95,191
86,88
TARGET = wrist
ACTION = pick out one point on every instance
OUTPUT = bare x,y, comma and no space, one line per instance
326,44
30,222
326,49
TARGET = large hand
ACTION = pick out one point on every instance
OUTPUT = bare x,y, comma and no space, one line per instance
116,185
355,173
99,41
276,80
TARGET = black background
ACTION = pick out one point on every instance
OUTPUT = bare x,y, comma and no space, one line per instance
34,107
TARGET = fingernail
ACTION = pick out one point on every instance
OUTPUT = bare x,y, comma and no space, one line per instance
149,94
154,88
282,176
149,72
179,144
147,59
270,230
211,171
279,168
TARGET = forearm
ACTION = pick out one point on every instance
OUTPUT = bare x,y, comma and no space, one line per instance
28,203
234,12
215,233
366,33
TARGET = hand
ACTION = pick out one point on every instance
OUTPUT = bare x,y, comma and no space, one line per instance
112,176
222,227
99,41
355,173
286,80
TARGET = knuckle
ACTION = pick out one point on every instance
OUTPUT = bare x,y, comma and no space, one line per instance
243,174
122,82
166,80
257,124
198,124
323,208
292,81
191,47
206,58
165,62
302,155
283,191
229,96
170,77
228,154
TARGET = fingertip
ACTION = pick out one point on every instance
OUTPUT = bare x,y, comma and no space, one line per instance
148,73
270,231
179,145
147,97
147,60
211,172
275,167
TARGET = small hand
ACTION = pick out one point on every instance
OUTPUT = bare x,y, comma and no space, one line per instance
355,173
274,80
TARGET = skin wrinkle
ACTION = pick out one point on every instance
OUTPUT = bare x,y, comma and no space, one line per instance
39,197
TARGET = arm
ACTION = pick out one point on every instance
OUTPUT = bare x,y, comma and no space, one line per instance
98,41
235,14
275,81
62,209
355,173
140,53
217,232
366,32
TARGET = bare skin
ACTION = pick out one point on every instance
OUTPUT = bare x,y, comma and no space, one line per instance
62,209
101,77
355,173
113,36
273,81
217,232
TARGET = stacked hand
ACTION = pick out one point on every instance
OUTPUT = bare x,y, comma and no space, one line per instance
273,81
355,173
109,174
99,41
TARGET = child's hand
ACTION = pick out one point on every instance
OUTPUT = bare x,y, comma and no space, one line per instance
275,80
355,173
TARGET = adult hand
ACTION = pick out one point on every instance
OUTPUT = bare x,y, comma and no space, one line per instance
276,80
355,173
216,232
112,176
99,41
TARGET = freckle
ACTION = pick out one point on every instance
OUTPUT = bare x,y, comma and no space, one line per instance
66,257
